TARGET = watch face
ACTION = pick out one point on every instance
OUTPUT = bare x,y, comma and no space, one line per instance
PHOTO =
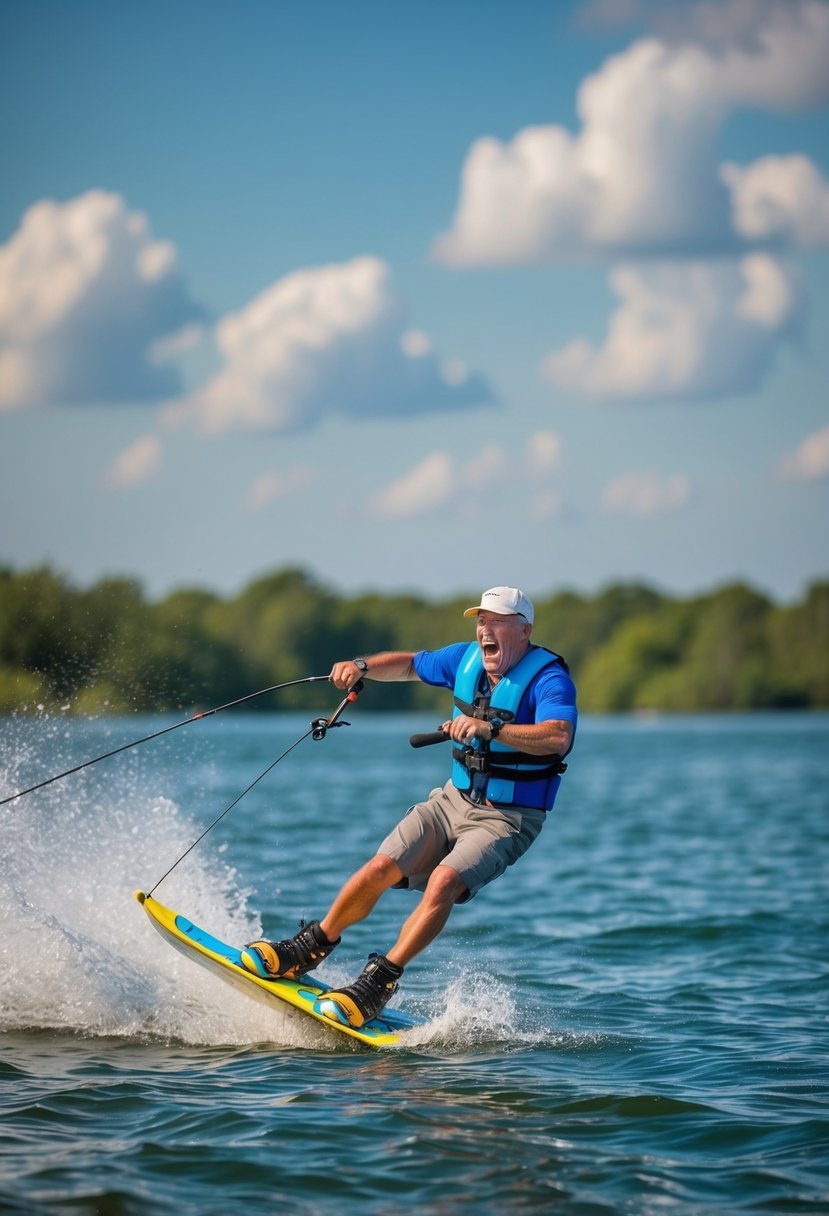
362,664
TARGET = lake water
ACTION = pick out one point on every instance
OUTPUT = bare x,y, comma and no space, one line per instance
634,1019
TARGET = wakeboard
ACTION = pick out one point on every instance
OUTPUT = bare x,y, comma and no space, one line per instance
303,994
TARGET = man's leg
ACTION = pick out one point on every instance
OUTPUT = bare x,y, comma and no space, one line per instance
359,895
443,890
306,949
356,1003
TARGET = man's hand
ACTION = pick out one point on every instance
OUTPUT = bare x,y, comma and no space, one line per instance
464,729
345,674
388,665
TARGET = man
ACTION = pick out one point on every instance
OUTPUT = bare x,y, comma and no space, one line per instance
514,721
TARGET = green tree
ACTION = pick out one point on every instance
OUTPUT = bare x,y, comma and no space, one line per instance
724,659
35,634
630,670
798,651
106,649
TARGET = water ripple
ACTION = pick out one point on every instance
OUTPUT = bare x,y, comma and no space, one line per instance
632,1021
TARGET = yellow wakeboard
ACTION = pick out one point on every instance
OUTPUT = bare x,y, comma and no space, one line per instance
301,994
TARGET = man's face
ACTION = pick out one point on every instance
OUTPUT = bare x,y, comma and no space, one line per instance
503,641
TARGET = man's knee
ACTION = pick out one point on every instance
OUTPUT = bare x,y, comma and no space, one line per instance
383,870
446,886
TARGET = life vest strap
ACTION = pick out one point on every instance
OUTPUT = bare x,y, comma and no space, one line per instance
475,761
484,712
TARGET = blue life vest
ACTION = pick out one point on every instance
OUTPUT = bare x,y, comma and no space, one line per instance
504,767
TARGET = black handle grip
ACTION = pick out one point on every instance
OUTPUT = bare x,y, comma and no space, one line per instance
432,736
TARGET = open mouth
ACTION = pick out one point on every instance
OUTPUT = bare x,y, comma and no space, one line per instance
490,649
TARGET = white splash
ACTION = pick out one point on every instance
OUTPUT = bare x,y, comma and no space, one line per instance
77,953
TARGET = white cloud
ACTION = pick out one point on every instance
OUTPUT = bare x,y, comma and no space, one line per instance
780,198
440,481
686,330
641,175
478,473
810,461
85,295
771,54
543,457
138,463
415,343
645,494
544,451
426,487
274,484
321,341
172,346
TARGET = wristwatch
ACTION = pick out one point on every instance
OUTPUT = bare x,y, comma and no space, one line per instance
495,725
361,663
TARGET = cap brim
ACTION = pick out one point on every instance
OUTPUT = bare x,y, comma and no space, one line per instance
497,611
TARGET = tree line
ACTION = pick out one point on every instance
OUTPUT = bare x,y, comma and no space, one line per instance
108,649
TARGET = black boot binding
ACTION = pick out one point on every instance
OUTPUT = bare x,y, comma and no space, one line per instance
293,956
361,1001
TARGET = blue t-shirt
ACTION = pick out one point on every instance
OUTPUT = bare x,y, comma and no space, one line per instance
551,696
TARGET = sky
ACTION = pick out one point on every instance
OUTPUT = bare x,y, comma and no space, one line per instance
418,297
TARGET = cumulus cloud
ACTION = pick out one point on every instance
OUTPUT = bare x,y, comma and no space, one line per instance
86,296
138,463
321,341
756,39
810,461
636,177
780,198
645,494
439,480
686,330
274,484
641,175
767,53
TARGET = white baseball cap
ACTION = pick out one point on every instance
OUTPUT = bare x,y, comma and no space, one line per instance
508,601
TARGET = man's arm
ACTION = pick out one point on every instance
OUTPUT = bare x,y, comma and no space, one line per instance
537,738
387,665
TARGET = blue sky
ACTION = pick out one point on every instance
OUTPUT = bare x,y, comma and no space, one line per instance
419,297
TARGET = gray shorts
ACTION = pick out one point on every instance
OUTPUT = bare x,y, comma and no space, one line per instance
478,842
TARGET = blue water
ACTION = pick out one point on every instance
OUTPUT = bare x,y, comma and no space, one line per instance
633,1019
